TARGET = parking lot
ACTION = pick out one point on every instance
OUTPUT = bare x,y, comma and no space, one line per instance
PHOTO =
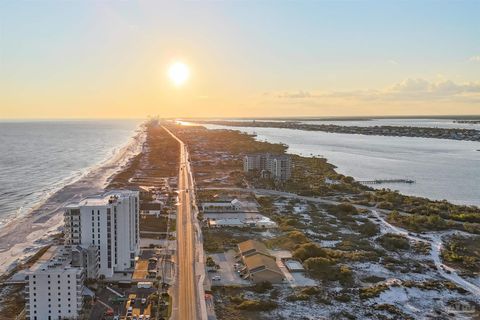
227,274
107,299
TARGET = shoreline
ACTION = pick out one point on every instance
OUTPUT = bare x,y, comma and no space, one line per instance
22,236
383,130
330,156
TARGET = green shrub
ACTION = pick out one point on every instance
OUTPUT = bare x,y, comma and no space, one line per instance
343,298
309,250
372,292
369,229
298,297
310,290
257,305
319,266
394,242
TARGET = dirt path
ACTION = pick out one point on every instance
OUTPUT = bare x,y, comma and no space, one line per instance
436,243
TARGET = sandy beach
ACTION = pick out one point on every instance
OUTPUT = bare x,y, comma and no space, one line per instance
22,236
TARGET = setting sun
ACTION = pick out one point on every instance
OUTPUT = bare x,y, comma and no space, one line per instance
178,73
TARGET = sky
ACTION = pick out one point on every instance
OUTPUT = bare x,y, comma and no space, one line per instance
109,59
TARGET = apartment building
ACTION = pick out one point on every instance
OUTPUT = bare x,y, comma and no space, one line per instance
111,223
278,167
54,286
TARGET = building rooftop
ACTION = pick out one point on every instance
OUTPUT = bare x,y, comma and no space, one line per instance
259,261
103,199
254,246
56,257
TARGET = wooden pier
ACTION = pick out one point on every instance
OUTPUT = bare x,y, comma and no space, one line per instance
381,181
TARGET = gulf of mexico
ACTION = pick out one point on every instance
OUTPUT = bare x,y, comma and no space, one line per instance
38,158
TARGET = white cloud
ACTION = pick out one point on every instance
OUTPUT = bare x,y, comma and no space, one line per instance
295,95
475,58
411,89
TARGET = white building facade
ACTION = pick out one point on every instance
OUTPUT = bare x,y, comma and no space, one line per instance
110,222
54,286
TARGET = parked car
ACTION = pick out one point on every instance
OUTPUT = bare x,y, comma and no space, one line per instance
216,278
109,312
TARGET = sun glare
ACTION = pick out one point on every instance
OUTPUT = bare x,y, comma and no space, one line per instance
178,73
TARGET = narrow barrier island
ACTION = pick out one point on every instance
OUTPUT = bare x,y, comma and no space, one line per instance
394,131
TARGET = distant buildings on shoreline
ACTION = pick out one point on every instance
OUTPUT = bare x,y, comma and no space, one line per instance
278,167
101,238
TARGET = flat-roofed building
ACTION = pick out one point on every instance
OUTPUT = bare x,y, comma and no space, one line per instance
54,286
278,167
87,258
234,205
257,221
111,223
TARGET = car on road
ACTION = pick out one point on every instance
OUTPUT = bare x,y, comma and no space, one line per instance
132,298
109,312
216,278
144,300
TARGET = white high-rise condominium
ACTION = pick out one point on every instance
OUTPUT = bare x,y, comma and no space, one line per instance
110,222
54,286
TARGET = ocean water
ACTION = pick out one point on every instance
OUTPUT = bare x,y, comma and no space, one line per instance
38,158
442,169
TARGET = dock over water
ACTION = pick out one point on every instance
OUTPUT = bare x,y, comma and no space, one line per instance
381,181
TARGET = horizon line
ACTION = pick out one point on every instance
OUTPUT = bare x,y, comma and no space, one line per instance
412,116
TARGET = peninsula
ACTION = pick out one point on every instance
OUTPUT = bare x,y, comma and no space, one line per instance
394,131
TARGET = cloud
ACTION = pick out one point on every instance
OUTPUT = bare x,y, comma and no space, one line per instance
295,95
475,58
434,89
411,89
394,62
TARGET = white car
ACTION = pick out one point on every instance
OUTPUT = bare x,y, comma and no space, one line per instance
144,300
216,278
